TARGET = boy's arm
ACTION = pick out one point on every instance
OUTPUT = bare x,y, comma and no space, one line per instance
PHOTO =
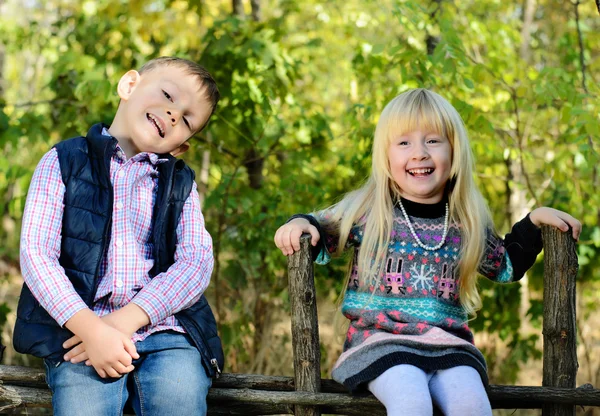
185,281
40,242
45,277
177,288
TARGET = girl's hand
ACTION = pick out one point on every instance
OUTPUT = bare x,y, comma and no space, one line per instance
287,237
556,218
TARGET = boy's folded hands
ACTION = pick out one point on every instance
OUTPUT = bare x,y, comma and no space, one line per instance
104,343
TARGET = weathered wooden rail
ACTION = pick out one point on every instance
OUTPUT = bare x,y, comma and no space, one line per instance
307,394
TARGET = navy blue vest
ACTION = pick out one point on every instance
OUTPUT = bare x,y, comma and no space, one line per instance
87,217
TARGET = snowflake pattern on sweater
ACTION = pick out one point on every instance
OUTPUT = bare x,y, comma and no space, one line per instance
418,288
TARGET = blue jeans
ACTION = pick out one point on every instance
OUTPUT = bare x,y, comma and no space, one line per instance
168,379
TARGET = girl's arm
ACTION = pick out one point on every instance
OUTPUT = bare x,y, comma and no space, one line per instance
324,232
287,237
556,218
507,260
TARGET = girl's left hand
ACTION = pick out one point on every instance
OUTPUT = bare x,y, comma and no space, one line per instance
556,218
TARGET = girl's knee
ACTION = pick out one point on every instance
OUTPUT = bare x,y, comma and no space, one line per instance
469,405
409,406
403,390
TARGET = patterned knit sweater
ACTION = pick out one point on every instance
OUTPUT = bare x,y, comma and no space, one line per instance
413,314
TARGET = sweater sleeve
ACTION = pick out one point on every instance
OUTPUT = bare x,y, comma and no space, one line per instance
329,235
506,260
316,250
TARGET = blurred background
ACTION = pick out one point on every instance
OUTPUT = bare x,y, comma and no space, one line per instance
303,83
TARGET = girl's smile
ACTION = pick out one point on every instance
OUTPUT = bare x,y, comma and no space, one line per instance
420,163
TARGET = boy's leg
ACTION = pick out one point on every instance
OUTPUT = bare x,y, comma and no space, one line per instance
77,389
169,377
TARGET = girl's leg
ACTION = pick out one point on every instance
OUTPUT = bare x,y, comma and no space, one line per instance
77,389
403,390
169,378
459,391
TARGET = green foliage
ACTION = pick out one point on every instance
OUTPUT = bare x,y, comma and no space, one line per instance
302,90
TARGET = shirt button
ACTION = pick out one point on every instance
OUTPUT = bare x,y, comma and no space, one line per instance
121,174
119,205
119,283
119,243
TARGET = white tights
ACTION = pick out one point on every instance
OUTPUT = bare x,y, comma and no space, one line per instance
406,390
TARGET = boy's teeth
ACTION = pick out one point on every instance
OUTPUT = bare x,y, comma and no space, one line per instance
157,124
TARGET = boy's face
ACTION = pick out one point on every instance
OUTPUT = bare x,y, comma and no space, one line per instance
162,109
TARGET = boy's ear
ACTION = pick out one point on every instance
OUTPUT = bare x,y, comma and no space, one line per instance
127,84
183,147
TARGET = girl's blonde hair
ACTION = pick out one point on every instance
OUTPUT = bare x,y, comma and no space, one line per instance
373,204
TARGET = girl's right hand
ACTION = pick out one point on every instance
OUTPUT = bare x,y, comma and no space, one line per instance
287,237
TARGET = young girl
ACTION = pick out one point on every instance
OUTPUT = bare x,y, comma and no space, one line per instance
421,232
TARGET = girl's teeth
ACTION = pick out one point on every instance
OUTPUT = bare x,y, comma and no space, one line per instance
420,171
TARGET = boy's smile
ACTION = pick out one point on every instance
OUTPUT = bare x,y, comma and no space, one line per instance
420,163
158,123
159,111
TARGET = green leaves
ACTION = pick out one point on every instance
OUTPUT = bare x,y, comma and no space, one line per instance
302,91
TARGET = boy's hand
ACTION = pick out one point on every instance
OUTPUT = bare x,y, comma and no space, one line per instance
78,352
287,237
107,349
126,320
556,218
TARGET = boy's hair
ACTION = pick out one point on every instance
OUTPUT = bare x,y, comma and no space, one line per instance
206,81
373,203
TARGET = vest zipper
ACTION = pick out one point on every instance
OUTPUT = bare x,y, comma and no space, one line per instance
184,321
215,364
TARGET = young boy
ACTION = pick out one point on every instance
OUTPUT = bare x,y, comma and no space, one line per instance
115,256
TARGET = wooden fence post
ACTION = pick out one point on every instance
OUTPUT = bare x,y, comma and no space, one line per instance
305,326
560,334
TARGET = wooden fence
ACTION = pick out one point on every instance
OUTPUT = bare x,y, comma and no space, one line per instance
306,394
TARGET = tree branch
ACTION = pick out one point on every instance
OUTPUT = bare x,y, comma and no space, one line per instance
580,42
526,30
52,101
582,58
256,10
217,244
520,145
219,148
238,8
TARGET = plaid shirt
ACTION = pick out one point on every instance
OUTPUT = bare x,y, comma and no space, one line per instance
124,271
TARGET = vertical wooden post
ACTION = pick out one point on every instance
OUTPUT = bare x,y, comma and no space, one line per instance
305,326
560,335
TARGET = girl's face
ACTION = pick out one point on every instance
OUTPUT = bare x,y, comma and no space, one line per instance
420,163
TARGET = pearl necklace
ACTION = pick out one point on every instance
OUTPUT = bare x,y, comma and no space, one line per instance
414,234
